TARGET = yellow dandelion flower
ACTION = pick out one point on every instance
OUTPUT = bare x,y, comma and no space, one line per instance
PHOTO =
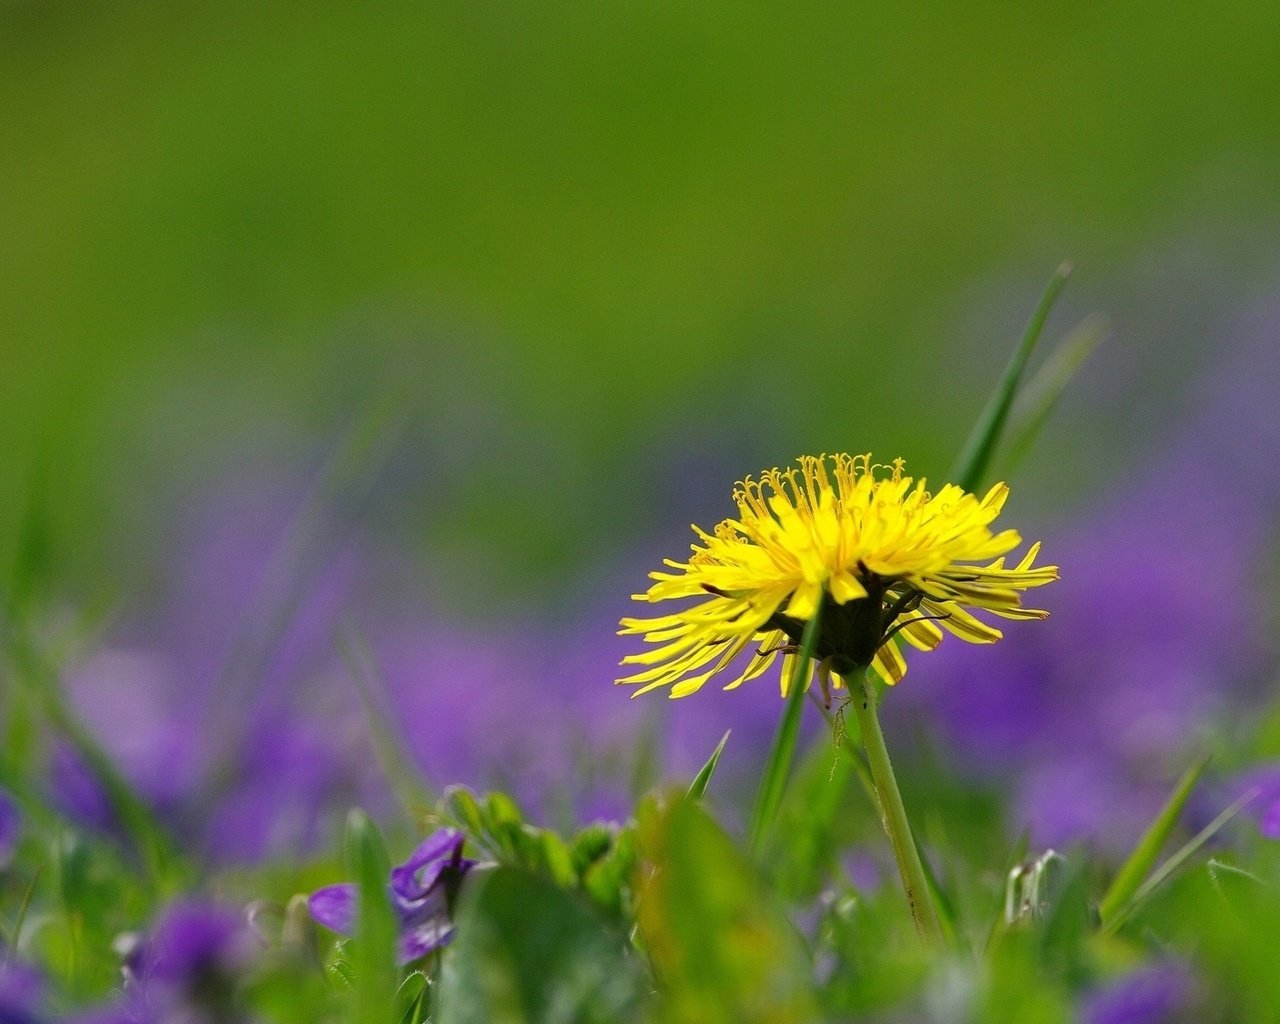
883,555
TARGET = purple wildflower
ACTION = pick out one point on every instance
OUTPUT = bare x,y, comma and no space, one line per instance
190,964
21,994
1153,995
10,829
421,891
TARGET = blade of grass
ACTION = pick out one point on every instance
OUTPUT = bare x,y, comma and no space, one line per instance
1038,399
1175,861
388,740
777,767
1139,863
12,954
151,842
373,952
975,456
307,547
703,778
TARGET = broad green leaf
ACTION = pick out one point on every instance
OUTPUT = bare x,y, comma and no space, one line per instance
722,952
527,952
970,469
1139,863
699,788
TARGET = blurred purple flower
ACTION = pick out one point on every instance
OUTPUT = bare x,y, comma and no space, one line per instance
189,965
21,994
225,704
10,828
76,792
1159,994
421,891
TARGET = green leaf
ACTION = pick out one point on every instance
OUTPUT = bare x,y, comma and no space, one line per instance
527,952
722,952
1139,863
777,767
975,456
373,950
703,778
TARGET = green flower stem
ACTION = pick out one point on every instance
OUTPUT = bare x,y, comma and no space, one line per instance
892,813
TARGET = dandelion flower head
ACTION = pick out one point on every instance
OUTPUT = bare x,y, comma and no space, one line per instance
880,555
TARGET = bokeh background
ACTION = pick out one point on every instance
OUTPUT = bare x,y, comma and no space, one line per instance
366,358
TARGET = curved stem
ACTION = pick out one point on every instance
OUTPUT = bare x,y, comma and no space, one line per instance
893,814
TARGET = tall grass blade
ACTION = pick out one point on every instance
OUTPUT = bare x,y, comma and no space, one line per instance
388,739
11,955
1183,854
1138,866
979,448
1037,400
373,952
778,765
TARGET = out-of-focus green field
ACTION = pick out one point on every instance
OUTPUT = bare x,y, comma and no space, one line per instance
583,236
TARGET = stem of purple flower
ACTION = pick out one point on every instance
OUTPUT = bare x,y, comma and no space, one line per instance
893,814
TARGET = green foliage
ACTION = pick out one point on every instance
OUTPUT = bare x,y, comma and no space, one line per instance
979,449
598,860
1137,867
528,952
373,952
777,767
721,948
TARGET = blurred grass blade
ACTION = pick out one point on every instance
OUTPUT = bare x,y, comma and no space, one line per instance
1038,399
373,952
11,954
703,778
778,766
389,742
943,903
975,456
1138,866
1183,854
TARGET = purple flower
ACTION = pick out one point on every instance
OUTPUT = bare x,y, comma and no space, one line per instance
191,962
421,891
10,828
21,994
1152,995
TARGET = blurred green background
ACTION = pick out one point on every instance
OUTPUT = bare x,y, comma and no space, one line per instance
592,249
